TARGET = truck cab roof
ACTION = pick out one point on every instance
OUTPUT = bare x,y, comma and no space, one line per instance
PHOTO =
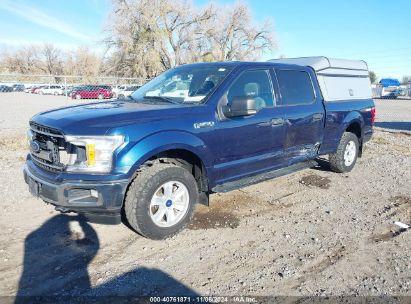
235,64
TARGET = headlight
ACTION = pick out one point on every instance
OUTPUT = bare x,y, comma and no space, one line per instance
99,151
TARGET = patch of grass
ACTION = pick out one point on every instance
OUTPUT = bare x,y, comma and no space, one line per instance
380,140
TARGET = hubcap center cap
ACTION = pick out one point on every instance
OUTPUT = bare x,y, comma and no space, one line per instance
169,203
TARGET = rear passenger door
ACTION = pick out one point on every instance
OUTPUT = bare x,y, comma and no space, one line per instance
304,114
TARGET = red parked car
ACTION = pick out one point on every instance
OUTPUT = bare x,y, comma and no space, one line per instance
93,92
35,89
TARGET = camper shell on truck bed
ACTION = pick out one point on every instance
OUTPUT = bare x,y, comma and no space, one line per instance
339,79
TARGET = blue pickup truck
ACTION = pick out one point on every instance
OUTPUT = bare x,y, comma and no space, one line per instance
194,130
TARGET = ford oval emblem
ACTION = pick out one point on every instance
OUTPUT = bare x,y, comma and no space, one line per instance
35,146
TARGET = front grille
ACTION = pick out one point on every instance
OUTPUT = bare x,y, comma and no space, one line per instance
35,127
45,165
49,142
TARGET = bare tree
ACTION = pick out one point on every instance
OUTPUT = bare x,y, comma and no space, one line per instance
83,62
134,40
232,35
51,60
23,60
147,37
181,23
45,59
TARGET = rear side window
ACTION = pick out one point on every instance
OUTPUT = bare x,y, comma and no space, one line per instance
295,87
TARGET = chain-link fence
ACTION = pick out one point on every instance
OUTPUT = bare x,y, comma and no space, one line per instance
70,86
406,92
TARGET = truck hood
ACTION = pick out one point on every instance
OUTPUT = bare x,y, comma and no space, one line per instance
98,118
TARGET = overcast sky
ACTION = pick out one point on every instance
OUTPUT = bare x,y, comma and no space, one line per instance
376,31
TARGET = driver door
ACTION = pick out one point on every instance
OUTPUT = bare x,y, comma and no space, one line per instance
247,145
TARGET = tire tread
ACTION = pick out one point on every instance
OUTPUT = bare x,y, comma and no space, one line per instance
337,159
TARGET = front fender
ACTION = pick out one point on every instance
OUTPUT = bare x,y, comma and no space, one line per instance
128,160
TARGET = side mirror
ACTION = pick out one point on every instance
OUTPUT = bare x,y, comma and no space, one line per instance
241,106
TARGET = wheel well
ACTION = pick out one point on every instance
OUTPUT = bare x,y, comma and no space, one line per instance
192,163
355,128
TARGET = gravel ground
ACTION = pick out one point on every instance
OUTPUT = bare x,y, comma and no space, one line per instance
310,233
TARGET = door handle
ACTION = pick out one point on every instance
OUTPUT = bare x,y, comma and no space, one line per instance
273,122
317,116
277,122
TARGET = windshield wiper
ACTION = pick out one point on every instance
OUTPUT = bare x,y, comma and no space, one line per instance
162,98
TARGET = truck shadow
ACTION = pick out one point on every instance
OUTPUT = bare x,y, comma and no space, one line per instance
321,165
56,260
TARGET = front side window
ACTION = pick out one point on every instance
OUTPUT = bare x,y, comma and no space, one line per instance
254,84
185,84
295,87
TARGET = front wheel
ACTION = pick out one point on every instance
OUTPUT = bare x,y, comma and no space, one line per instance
161,200
344,159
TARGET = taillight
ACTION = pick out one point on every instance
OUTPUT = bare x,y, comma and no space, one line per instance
372,115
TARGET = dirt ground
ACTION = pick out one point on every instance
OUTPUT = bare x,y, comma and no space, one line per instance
310,233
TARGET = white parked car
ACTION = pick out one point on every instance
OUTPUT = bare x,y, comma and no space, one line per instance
127,91
117,89
51,90
175,88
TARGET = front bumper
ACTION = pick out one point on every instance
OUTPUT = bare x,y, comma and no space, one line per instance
98,201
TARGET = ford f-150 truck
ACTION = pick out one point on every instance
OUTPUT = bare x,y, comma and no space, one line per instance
155,155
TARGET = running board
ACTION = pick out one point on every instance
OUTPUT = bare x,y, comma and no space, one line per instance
251,180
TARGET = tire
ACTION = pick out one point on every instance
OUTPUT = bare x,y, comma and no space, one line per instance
344,159
144,190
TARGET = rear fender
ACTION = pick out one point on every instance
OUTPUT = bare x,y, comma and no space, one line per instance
353,117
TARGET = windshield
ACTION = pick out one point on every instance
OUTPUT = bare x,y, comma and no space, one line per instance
185,84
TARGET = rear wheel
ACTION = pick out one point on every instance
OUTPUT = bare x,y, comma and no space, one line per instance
344,159
161,200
